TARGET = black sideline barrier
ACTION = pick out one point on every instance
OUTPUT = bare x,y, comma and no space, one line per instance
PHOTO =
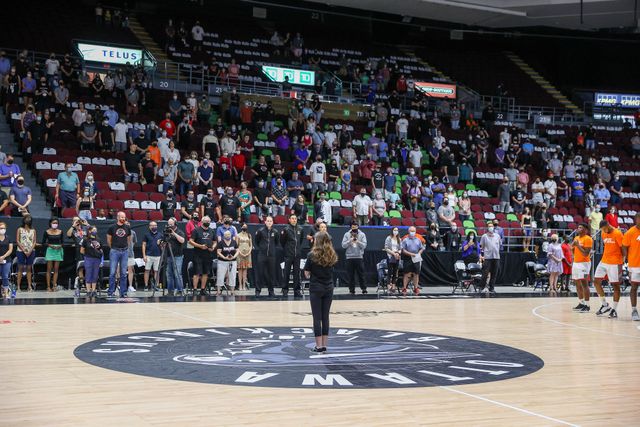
437,267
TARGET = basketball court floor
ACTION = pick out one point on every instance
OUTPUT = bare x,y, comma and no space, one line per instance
441,361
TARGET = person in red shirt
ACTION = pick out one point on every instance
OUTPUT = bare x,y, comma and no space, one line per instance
401,84
239,164
246,115
567,262
612,217
366,170
246,147
168,125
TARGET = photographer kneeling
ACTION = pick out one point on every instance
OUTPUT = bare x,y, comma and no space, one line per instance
175,239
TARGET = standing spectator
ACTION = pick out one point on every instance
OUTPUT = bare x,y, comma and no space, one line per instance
227,265
20,197
392,246
354,242
168,124
186,172
148,169
318,174
245,248
518,199
204,243
412,247
197,34
567,263
121,130
453,239
9,170
25,253
151,254
504,196
433,240
184,132
554,263
446,216
67,187
93,253
267,239
52,240
279,200
118,240
471,248
133,97
490,244
362,208
612,217
175,238
131,164
378,209
602,195
229,206
595,218
550,191
537,191
635,145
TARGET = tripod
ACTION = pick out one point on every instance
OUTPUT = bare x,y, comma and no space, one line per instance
165,255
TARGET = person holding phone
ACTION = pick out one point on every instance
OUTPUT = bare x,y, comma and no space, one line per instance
319,270
471,248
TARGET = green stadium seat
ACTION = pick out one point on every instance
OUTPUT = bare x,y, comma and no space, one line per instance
262,137
335,195
470,187
468,224
512,217
394,214
279,123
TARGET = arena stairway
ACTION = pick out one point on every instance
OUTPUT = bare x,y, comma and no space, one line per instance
147,41
39,207
543,83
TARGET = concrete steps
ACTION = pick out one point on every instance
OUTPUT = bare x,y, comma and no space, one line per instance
39,207
147,41
543,83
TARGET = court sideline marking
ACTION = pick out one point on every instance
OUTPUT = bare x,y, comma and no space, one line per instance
505,405
534,311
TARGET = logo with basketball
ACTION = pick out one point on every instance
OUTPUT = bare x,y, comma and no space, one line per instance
121,232
282,357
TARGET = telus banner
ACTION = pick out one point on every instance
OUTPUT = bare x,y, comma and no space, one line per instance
109,54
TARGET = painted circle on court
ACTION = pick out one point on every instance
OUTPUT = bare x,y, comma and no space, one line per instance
282,357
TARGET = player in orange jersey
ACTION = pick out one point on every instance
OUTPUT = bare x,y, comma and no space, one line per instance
631,253
582,245
611,266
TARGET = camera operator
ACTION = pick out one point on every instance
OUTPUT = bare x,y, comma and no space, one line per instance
175,238
355,242
204,243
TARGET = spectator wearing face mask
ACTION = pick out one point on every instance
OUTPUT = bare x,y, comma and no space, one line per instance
378,208
168,124
211,140
67,187
362,208
490,244
121,130
204,176
84,204
229,206
412,247
595,217
453,239
204,243
446,216
602,195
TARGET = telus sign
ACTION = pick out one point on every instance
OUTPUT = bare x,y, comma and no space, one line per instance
109,54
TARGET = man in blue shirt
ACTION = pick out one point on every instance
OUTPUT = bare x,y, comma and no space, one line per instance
389,181
602,195
68,187
8,171
295,187
20,197
578,189
112,115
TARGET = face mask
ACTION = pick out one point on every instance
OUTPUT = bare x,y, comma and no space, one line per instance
86,194
68,169
190,197
169,195
153,229
54,226
395,232
3,231
412,233
490,229
20,182
93,234
205,225
10,161
175,97
39,118
244,229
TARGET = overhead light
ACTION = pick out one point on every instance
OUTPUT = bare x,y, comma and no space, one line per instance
477,7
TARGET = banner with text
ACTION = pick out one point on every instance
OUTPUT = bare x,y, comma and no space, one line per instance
436,90
296,77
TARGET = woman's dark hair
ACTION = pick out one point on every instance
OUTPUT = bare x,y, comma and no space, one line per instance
24,220
395,237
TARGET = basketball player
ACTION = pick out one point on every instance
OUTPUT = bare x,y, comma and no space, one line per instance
631,252
582,245
611,266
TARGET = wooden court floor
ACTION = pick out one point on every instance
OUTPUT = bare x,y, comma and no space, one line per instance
591,373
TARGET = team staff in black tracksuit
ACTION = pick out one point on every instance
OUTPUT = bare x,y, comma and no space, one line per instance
267,239
292,239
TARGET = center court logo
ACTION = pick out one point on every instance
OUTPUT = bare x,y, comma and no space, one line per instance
281,357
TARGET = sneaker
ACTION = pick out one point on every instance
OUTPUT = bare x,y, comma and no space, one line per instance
271,293
297,294
613,314
285,292
110,295
604,309
203,293
585,309
131,289
13,293
578,307
634,315
318,350
257,292
364,292
352,291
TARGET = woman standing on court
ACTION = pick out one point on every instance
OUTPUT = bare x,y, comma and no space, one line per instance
554,263
245,247
227,251
392,247
6,249
52,240
92,251
26,253
319,269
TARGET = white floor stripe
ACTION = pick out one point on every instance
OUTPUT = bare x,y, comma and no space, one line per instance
185,315
504,405
571,325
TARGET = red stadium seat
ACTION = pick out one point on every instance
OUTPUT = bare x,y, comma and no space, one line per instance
155,215
69,213
140,215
